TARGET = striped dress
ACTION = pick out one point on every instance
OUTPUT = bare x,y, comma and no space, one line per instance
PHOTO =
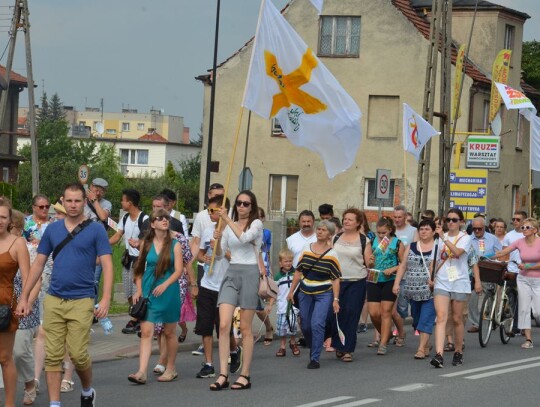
318,274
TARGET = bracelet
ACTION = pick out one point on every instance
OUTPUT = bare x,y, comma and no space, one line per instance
336,299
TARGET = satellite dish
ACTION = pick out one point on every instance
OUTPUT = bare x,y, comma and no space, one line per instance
100,128
496,125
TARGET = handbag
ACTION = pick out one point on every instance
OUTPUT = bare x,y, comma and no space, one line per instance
126,259
5,316
138,310
267,287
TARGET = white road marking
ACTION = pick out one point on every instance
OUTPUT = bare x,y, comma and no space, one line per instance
359,403
502,371
489,367
412,387
327,401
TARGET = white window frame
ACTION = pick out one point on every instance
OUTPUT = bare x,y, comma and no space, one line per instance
283,202
110,131
125,126
133,156
509,36
485,121
348,51
5,174
519,133
276,128
366,194
140,126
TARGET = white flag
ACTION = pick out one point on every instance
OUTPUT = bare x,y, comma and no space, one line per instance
318,5
416,131
535,138
513,98
287,80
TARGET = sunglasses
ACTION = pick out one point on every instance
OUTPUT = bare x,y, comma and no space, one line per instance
245,204
164,217
516,219
477,229
213,210
527,227
455,220
42,206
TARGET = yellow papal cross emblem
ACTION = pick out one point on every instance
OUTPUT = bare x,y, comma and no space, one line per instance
290,84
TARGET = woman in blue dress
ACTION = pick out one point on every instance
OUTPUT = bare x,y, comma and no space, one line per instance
156,274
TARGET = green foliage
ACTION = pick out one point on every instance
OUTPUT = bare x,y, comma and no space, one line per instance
9,191
530,63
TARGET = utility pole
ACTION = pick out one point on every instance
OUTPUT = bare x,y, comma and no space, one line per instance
21,20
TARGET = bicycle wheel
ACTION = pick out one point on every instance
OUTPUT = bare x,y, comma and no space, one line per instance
486,322
508,312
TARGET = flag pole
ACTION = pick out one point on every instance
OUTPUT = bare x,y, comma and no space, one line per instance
530,175
405,175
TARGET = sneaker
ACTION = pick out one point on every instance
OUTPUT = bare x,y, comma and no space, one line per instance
206,371
362,328
457,360
89,401
437,361
313,364
130,328
199,351
236,360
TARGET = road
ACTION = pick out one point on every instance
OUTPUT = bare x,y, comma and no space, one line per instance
496,375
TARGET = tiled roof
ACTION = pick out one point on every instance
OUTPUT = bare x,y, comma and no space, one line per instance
153,136
15,77
529,90
470,5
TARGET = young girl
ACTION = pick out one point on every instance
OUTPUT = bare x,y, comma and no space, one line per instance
387,254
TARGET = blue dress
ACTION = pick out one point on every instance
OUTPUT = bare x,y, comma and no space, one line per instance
165,308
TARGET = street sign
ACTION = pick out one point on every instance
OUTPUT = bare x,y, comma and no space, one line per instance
483,152
383,184
84,173
468,191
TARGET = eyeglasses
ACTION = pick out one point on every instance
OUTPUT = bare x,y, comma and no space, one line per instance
42,206
245,204
455,220
211,211
164,217
516,219
527,227
478,229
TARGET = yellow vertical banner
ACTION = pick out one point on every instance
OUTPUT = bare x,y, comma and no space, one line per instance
501,67
457,81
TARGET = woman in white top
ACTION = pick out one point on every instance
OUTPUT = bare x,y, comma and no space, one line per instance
240,287
452,284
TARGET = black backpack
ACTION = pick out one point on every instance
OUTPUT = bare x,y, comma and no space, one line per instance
140,220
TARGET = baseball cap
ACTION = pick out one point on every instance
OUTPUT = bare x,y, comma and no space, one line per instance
100,182
216,186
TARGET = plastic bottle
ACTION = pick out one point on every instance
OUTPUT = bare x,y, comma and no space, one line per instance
106,324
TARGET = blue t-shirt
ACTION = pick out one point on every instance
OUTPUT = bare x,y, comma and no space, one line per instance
73,269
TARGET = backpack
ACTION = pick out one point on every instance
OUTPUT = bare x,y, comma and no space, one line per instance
363,241
140,220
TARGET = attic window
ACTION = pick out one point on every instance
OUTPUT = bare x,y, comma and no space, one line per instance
339,36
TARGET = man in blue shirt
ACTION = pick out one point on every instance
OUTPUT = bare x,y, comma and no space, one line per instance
485,245
69,304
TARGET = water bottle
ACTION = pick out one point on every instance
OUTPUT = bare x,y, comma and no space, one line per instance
106,324
206,267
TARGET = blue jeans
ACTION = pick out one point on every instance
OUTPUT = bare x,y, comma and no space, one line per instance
352,295
313,311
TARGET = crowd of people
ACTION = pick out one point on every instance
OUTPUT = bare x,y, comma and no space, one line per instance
331,274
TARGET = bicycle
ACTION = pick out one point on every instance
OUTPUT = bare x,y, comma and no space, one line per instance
500,302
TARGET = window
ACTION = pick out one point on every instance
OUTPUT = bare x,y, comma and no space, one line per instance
140,126
82,124
110,131
284,193
276,128
383,116
5,174
133,157
522,129
509,34
339,36
370,202
125,126
485,121
94,125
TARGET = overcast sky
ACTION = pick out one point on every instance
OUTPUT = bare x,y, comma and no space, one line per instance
144,53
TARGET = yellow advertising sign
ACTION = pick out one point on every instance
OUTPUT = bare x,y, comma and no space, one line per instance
457,81
468,191
501,67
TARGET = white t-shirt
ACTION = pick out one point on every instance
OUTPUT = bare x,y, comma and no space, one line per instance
406,235
131,231
183,219
453,276
200,223
212,282
510,238
296,243
244,249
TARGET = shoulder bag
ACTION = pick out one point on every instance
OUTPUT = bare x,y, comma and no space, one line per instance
5,315
79,228
267,286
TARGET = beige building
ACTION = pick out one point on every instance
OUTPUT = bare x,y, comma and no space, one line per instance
378,51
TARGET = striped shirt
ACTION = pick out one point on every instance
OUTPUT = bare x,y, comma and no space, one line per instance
318,274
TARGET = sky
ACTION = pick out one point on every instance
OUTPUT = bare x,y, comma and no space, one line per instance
143,54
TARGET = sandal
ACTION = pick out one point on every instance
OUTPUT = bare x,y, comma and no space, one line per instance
281,352
268,340
374,344
168,376
67,386
400,341
382,350
137,378
241,386
339,354
527,344
295,349
420,354
347,357
159,369
449,347
182,338
217,386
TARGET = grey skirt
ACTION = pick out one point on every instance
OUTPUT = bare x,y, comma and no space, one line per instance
240,286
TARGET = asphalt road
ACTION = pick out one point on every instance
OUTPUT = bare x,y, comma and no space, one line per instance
496,375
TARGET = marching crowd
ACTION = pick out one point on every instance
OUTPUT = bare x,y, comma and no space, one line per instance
331,275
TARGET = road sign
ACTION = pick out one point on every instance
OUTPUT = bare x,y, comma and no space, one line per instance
483,152
84,173
468,191
383,184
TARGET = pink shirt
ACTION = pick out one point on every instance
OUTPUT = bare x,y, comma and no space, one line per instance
528,254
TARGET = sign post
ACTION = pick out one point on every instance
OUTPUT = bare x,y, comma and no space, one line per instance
84,174
383,187
468,191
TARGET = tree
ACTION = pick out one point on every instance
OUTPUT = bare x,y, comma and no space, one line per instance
530,63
